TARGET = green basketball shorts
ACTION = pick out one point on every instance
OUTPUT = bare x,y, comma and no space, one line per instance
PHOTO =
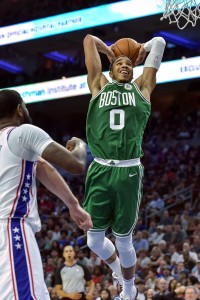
113,195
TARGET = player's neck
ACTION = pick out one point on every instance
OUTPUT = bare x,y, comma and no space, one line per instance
8,123
5,125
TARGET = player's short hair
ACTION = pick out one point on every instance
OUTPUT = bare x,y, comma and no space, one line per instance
112,62
9,99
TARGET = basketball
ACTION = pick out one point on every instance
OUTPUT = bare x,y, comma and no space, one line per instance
127,47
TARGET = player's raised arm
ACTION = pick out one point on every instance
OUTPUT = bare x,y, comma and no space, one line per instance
147,81
92,46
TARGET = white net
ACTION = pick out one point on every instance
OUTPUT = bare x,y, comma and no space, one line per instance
182,12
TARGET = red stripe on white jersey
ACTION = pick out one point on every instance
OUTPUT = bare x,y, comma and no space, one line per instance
11,260
29,261
17,193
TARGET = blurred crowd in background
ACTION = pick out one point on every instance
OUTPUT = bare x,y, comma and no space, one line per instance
167,243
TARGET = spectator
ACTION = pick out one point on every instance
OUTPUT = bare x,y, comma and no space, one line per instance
156,257
176,271
161,288
104,295
150,279
179,234
165,218
157,236
56,232
187,255
93,260
163,246
82,259
149,294
143,261
168,234
191,293
140,226
55,246
174,254
97,274
195,247
157,203
172,285
167,275
162,265
63,239
140,243
152,227
196,270
193,280
183,276
113,291
140,283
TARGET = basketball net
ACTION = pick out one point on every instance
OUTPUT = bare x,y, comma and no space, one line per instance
182,12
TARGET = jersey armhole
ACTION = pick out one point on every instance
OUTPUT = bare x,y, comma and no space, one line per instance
139,92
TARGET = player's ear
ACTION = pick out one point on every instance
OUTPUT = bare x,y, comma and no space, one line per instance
111,74
19,110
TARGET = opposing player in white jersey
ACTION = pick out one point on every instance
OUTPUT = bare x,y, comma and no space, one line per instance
24,152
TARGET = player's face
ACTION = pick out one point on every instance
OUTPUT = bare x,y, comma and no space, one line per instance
26,119
122,69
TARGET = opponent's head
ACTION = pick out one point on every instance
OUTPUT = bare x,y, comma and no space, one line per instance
12,107
121,69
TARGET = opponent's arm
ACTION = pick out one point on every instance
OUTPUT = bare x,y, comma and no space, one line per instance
54,182
147,81
73,161
92,47
29,141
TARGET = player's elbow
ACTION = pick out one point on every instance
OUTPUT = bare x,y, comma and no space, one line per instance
160,40
87,40
77,168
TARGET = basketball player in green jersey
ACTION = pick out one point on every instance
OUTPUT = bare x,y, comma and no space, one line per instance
117,116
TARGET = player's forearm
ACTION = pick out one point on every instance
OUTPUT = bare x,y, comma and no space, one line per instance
100,45
54,182
156,48
80,153
61,157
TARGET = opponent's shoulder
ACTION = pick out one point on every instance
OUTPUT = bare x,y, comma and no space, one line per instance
31,129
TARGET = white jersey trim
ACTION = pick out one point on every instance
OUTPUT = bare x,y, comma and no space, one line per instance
138,90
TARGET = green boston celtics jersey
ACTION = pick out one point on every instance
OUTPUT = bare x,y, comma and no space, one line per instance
116,120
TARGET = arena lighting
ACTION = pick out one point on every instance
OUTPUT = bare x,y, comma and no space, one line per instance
80,19
55,55
174,39
181,69
108,43
10,67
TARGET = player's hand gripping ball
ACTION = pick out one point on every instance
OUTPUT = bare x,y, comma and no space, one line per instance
127,47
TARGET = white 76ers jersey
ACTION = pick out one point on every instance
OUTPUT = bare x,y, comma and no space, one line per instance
18,176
